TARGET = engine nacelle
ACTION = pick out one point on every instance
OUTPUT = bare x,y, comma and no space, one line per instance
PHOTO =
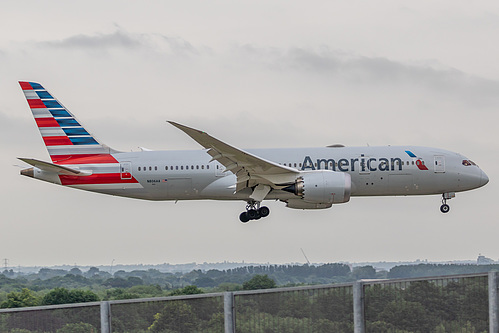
321,188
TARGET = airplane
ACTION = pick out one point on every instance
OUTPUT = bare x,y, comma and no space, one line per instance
303,178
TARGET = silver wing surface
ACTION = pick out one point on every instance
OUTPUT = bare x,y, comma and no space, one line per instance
251,171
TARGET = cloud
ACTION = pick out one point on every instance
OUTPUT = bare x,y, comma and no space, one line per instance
364,71
117,39
123,40
320,65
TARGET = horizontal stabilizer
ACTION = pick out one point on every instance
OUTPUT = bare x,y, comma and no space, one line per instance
49,167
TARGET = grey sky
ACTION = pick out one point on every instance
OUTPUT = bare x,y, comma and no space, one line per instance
255,74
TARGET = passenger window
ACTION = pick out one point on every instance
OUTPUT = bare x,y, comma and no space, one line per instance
139,168
176,167
202,167
150,168
155,168
166,167
197,167
207,167
181,167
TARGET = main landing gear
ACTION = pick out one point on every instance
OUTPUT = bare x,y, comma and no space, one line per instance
254,212
446,196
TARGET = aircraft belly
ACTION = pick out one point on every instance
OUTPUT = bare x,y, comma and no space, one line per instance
371,184
180,188
401,184
223,188
377,184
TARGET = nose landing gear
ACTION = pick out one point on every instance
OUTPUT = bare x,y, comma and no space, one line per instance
254,212
446,196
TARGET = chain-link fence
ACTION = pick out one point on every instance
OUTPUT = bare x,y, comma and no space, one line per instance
60,319
464,304
315,309
197,313
446,304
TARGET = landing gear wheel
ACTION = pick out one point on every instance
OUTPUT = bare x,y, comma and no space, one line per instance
264,211
252,214
446,196
244,217
444,208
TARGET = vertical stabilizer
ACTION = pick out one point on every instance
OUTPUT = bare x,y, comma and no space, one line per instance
67,141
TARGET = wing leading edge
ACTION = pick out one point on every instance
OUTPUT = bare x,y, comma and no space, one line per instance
251,171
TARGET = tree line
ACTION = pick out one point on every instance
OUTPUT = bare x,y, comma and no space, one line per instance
74,285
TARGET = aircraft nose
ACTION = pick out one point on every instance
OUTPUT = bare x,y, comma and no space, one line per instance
483,178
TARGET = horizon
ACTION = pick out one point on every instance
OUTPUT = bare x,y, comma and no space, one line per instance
243,264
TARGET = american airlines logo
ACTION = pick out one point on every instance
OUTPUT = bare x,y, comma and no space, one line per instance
419,162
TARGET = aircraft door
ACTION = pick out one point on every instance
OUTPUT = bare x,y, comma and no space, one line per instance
126,170
439,163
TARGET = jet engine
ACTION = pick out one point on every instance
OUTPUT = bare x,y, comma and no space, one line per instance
320,189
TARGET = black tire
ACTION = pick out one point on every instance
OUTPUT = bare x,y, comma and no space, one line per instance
244,217
252,214
444,208
264,211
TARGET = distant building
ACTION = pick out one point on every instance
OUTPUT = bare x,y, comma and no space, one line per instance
482,260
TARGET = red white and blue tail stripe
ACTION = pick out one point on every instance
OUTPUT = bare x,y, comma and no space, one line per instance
66,140
79,159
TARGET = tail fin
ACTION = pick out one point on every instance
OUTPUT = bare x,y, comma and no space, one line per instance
66,140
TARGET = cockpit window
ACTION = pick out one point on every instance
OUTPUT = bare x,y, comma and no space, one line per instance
468,162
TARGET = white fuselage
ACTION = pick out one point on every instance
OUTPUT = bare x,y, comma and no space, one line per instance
374,171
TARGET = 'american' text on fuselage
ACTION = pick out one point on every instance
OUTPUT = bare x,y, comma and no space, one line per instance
366,164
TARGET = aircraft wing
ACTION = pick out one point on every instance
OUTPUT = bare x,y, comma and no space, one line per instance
249,169
50,167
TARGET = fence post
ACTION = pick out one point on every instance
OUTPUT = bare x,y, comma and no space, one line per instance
229,312
493,303
358,308
105,317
